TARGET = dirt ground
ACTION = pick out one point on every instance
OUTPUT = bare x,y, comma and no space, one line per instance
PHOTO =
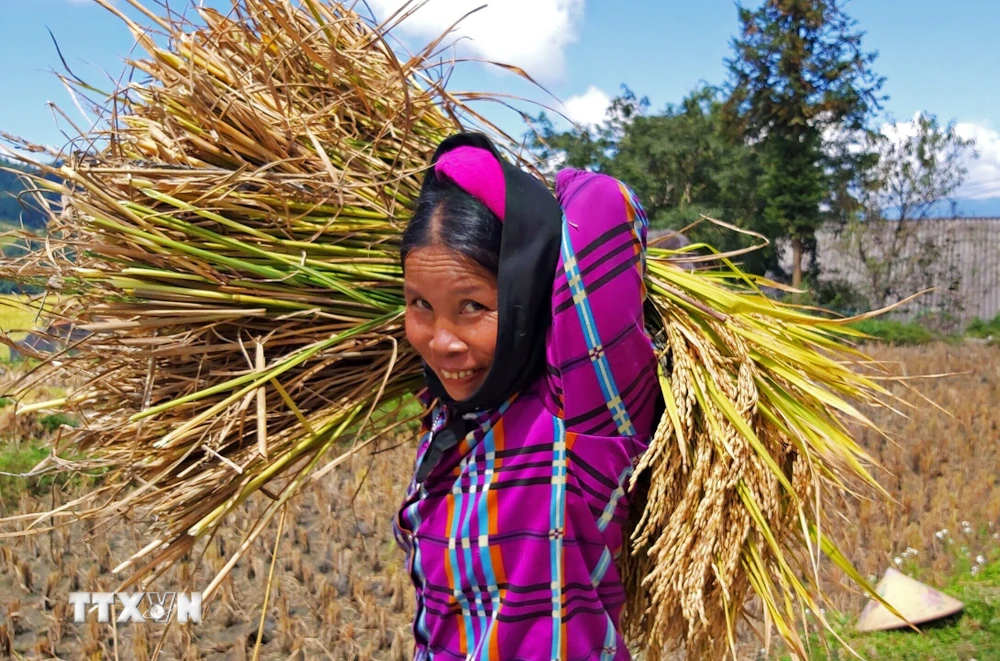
340,587
341,590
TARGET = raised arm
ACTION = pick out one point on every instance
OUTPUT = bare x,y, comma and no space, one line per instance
601,365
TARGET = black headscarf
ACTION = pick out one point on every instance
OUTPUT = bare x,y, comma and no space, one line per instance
529,254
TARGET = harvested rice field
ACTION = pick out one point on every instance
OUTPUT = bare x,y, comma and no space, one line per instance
340,589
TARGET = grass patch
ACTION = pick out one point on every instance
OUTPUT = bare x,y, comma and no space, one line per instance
972,634
913,333
52,422
18,315
984,329
395,410
21,455
899,333
20,459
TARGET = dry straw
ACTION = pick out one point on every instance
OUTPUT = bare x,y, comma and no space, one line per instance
232,246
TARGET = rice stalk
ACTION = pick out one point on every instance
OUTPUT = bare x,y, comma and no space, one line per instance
232,251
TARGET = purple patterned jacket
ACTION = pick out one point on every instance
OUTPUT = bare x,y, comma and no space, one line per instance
511,541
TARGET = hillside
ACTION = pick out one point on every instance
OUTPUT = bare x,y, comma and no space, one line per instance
14,212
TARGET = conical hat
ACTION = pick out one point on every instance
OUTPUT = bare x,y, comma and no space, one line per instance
914,600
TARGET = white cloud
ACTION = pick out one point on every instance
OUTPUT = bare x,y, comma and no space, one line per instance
984,173
983,177
531,34
589,108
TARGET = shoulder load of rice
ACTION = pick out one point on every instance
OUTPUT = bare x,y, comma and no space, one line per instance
229,240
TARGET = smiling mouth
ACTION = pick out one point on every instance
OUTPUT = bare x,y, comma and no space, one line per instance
458,376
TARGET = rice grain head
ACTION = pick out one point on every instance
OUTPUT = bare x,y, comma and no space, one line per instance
231,260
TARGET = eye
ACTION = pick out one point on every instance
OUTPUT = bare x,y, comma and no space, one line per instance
420,304
473,306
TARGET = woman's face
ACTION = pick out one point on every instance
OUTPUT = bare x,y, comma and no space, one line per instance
451,316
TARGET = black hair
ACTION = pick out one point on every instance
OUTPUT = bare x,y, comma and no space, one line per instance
446,215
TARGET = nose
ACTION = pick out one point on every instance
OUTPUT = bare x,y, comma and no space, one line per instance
445,341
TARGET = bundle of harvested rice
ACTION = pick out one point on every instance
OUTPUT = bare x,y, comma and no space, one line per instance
232,251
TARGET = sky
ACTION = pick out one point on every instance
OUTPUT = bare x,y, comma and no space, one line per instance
938,57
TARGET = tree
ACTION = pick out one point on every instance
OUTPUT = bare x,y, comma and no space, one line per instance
671,159
580,147
679,162
799,79
920,164
586,147
683,166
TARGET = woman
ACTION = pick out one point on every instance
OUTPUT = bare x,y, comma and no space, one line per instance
527,312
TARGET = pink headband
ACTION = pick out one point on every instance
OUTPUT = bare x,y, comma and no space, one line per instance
476,171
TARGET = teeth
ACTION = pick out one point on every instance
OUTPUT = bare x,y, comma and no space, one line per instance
458,375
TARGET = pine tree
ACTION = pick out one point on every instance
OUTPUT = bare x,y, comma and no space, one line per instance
800,81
